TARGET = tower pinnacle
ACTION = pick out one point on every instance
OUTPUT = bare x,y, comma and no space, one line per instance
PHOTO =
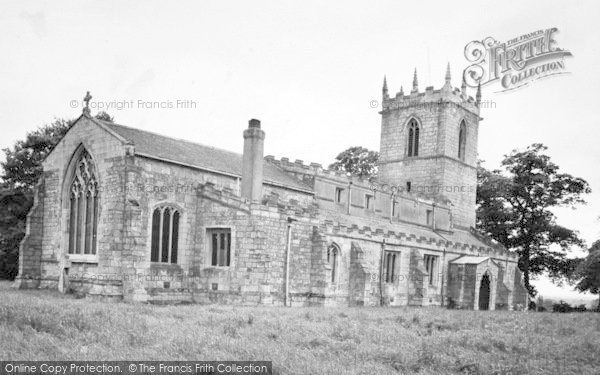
478,95
415,87
385,88
448,77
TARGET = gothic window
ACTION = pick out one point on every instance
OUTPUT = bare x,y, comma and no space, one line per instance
165,234
333,252
83,210
220,247
413,138
462,141
431,267
390,263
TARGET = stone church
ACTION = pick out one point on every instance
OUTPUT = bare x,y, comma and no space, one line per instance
122,213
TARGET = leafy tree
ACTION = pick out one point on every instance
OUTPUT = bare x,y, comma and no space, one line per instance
13,212
357,160
514,209
22,169
104,116
23,165
588,272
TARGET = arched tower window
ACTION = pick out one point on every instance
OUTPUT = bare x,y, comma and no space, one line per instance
413,138
462,140
165,234
333,252
83,210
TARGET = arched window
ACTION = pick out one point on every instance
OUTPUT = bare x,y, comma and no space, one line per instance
413,138
462,140
333,253
165,234
83,210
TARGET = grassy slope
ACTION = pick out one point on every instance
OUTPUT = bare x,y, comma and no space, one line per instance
47,325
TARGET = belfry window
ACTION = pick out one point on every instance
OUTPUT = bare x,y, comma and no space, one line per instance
462,141
83,210
165,235
333,252
413,138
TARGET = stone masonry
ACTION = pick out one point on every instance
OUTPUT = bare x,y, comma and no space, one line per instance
292,233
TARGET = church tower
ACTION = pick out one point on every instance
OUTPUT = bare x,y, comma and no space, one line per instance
429,145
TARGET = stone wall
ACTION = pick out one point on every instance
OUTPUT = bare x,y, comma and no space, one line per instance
411,207
49,241
132,187
30,249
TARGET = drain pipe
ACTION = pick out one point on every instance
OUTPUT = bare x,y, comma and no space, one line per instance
443,274
443,287
288,246
392,204
381,273
349,200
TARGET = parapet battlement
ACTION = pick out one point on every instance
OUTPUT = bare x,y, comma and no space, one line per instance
431,97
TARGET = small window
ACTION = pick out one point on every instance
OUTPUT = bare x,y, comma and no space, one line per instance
430,217
462,141
219,243
394,208
369,201
391,261
333,252
338,194
431,267
408,186
413,138
165,235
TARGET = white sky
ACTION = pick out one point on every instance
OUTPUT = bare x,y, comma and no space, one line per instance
307,69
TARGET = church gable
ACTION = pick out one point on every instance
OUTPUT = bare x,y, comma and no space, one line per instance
93,135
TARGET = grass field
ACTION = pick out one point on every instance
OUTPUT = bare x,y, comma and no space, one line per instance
45,325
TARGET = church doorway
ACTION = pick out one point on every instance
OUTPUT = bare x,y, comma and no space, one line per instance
484,293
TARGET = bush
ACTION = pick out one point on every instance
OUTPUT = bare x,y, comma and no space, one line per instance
564,307
451,304
14,206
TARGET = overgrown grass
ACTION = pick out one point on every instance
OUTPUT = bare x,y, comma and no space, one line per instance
44,325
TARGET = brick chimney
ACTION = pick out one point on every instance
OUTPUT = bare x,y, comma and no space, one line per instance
252,167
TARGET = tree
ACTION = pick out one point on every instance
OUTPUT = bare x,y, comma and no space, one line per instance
588,272
23,165
22,170
13,212
514,209
104,116
357,160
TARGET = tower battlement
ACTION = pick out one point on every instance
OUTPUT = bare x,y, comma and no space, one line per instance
431,97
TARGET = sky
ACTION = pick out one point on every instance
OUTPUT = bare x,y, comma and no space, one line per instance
309,70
